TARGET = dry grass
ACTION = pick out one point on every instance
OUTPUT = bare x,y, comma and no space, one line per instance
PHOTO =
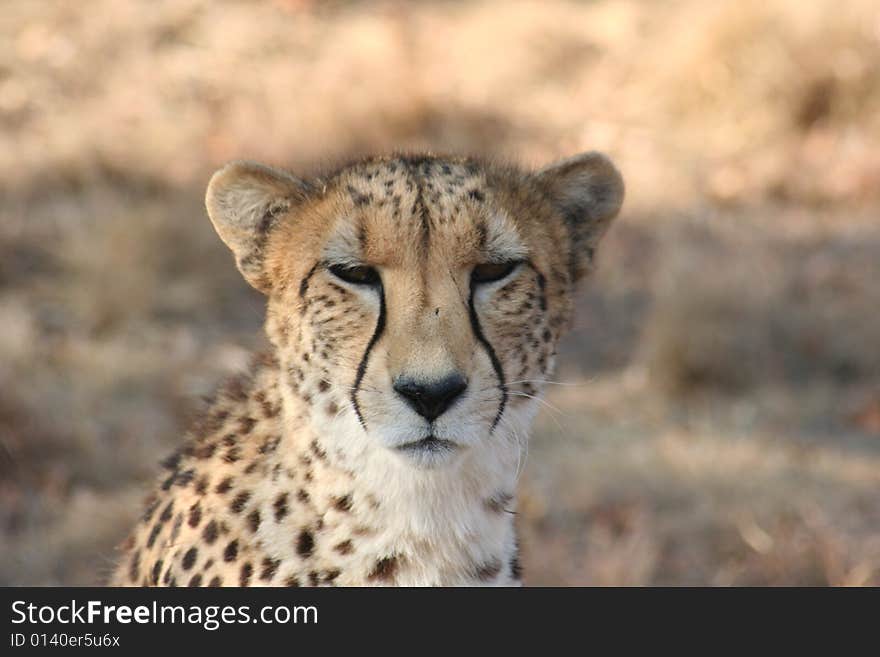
775,307
725,423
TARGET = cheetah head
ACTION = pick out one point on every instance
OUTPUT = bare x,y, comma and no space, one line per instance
415,302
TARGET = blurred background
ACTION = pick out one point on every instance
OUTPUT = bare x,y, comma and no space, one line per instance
719,421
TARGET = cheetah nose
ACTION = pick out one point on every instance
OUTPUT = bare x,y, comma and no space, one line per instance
430,399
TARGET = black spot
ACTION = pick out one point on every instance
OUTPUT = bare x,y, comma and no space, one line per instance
154,533
343,503
246,571
240,501
167,513
152,505
189,559
231,551
270,567
280,506
270,445
317,450
215,582
157,569
224,486
384,569
195,515
183,478
305,544
196,580
246,424
254,520
210,532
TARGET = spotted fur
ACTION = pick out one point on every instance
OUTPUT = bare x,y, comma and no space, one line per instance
309,470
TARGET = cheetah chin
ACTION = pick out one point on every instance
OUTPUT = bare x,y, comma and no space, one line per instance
429,451
414,305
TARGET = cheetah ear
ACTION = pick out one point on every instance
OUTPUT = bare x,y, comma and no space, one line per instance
587,191
245,201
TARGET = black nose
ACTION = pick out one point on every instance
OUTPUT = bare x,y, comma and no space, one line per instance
430,399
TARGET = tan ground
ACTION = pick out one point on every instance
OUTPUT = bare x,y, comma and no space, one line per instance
718,420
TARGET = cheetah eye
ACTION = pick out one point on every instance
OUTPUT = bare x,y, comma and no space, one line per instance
357,275
490,272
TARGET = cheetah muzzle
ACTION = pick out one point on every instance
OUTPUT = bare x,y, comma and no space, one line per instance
414,305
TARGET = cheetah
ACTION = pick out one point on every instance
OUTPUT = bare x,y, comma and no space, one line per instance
414,305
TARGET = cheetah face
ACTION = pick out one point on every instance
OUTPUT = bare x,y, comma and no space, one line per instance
418,299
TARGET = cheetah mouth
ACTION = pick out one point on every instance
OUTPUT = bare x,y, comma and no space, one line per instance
430,444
